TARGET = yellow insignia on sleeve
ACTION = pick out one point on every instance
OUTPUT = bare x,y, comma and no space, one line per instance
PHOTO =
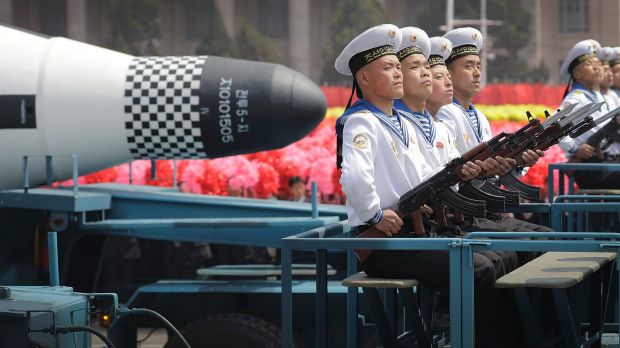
360,140
466,137
578,92
394,148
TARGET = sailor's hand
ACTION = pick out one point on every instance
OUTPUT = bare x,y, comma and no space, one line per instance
584,152
390,223
471,171
530,157
506,165
489,166
426,210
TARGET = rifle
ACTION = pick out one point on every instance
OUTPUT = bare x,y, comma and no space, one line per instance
432,191
603,137
517,147
573,124
512,197
439,186
515,140
548,134
524,139
496,199
495,203
437,189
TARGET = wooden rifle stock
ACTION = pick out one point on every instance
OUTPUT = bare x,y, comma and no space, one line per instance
481,152
439,213
459,219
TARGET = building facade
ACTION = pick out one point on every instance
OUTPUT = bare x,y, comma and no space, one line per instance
559,24
300,28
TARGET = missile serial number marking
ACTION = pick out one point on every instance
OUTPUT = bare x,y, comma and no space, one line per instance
224,110
242,128
18,111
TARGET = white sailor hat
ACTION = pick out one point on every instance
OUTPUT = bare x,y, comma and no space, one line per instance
605,55
440,50
582,51
373,43
615,57
465,41
415,41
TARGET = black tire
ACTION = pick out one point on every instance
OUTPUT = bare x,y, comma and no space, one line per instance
227,330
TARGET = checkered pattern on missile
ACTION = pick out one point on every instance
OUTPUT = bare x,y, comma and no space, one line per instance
162,107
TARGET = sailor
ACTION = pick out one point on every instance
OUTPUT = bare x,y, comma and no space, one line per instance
380,163
583,69
435,142
433,138
469,126
442,81
605,55
370,126
614,63
442,93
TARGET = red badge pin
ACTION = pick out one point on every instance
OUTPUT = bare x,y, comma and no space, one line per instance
439,145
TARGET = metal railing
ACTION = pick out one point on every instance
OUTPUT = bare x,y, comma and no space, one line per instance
563,168
335,236
460,252
49,171
496,241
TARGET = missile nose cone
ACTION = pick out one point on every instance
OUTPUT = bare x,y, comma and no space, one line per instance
308,105
296,107
256,106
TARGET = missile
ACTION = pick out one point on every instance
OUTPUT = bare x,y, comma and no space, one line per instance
61,97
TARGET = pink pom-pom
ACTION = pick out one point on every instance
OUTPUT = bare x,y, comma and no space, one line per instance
322,172
241,173
269,181
190,181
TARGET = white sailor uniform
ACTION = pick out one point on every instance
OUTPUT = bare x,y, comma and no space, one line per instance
580,96
432,137
467,128
379,165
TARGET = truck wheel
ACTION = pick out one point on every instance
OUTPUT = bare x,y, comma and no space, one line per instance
226,330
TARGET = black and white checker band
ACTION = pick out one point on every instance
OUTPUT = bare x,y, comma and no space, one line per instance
162,107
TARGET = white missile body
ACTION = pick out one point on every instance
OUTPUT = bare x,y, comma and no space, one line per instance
61,97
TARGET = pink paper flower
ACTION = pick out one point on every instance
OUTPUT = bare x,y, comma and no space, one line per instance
322,172
269,180
240,172
191,179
